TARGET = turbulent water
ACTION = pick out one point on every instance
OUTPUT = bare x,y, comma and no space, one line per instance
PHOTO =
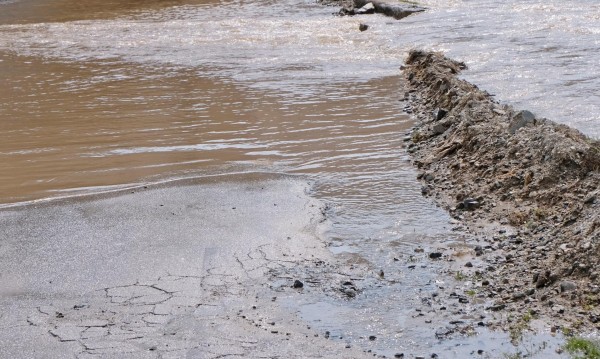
97,94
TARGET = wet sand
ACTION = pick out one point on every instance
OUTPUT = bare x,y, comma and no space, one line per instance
172,271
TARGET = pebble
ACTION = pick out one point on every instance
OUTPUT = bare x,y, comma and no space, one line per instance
567,286
435,255
558,309
297,284
519,295
497,307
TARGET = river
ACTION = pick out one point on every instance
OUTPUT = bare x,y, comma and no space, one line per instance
99,95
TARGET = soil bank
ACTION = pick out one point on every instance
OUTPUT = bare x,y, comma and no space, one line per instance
527,185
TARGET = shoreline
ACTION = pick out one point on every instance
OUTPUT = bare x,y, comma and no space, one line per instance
525,185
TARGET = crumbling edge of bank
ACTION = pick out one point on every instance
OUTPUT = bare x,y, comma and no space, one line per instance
536,180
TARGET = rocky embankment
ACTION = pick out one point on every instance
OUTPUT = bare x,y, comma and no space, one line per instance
535,182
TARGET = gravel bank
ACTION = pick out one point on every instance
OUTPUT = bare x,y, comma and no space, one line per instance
527,185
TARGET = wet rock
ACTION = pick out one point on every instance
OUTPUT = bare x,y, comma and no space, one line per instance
435,255
444,332
395,10
478,250
363,27
439,113
470,204
297,284
518,295
520,120
497,307
440,128
567,286
469,265
368,8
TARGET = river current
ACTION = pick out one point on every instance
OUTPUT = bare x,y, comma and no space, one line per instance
97,95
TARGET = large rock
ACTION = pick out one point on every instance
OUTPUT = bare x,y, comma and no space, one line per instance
522,119
395,10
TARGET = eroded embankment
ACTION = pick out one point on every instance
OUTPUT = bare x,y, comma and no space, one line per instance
537,180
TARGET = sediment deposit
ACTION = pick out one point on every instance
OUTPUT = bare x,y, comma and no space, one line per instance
534,181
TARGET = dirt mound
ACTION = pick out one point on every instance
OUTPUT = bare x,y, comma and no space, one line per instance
536,180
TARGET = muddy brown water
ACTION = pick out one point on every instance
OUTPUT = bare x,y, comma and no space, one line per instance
99,95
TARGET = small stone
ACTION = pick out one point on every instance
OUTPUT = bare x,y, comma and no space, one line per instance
435,255
497,307
363,27
558,309
567,286
522,119
440,128
419,250
470,204
519,295
372,337
439,113
297,284
469,265
399,355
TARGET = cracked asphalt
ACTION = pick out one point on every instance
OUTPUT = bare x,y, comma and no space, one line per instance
175,271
